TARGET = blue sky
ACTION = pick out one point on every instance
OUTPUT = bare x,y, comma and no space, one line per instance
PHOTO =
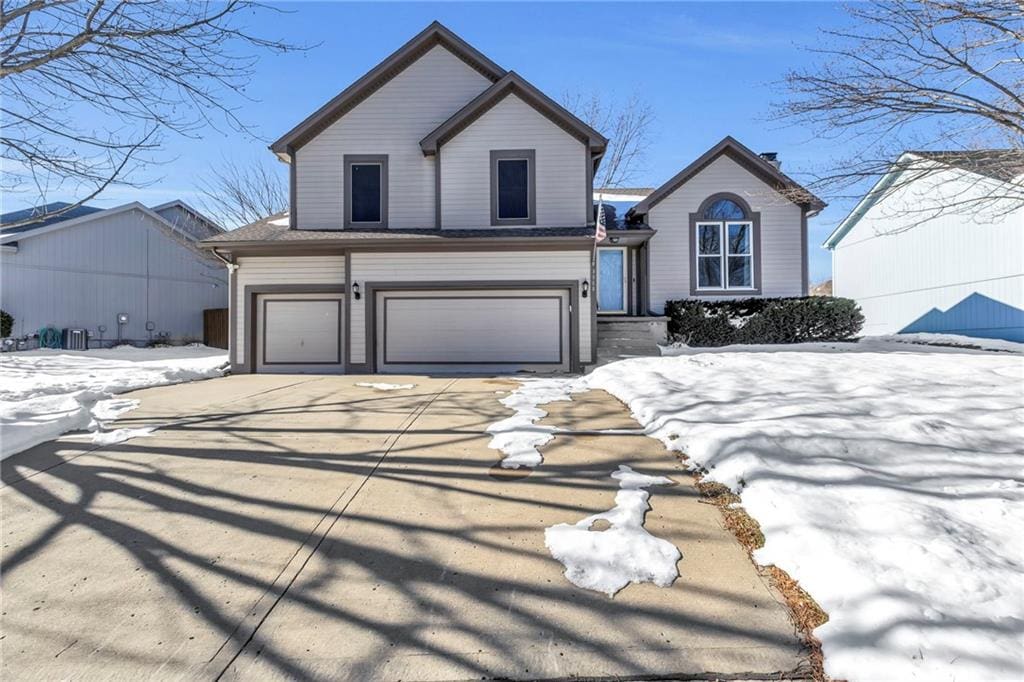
707,69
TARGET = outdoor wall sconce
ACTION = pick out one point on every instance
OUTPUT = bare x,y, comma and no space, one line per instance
355,291
613,240
586,288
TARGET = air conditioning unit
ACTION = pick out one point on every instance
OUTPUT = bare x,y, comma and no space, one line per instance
75,339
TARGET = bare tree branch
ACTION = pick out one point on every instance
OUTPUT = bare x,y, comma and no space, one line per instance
627,126
237,194
144,69
932,75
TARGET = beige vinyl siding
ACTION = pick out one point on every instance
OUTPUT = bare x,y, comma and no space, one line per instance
391,121
258,270
467,266
781,260
513,124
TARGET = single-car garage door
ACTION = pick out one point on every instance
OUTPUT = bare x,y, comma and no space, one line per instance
497,330
299,333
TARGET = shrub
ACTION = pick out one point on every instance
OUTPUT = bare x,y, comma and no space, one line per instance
6,324
763,320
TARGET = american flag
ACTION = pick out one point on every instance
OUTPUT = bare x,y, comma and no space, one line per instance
601,232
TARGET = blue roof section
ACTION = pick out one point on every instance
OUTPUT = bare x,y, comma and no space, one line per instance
17,216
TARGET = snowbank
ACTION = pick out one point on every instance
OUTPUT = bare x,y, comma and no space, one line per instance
45,393
887,479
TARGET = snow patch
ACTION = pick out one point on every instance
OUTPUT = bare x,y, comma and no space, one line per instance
519,436
380,386
120,435
45,393
624,553
886,478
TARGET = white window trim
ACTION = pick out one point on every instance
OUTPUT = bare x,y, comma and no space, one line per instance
625,290
497,181
723,254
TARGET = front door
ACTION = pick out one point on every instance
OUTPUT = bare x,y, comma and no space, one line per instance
611,280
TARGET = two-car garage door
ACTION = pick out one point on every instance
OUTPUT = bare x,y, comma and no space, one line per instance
489,330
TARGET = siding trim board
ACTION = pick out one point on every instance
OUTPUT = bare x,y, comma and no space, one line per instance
371,289
293,173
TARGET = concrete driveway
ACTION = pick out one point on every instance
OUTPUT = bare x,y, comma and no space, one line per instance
305,527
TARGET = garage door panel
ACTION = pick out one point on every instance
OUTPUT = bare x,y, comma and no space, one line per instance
473,330
300,333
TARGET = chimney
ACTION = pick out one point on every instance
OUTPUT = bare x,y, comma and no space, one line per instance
772,158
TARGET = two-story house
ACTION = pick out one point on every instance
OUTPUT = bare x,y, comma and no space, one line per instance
441,219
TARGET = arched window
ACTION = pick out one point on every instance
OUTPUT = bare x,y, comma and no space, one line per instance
724,240
724,209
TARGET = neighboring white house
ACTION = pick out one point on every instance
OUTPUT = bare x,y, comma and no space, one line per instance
442,219
939,247
85,267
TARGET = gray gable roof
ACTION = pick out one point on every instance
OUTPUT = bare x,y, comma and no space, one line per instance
53,207
730,147
434,34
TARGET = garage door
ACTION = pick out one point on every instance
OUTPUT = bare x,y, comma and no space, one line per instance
473,331
299,333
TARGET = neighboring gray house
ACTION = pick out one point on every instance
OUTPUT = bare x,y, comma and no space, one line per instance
85,267
442,219
915,262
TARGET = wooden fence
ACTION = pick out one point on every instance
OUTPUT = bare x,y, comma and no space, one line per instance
215,327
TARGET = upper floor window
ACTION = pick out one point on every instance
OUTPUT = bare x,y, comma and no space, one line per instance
724,237
366,190
513,187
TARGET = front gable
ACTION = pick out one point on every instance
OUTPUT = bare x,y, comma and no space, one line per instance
561,186
390,121
773,207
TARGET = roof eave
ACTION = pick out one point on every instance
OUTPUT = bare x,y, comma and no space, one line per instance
512,83
727,143
404,243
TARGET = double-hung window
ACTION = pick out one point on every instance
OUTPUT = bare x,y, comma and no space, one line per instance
513,187
366,190
724,253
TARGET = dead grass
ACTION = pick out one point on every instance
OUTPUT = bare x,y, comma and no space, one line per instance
804,611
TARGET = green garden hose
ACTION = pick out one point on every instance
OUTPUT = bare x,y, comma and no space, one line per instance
49,337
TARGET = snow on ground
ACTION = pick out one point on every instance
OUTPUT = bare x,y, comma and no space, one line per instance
888,479
956,340
380,386
519,436
606,560
45,393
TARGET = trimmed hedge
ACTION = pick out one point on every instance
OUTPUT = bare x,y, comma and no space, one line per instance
763,320
6,324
